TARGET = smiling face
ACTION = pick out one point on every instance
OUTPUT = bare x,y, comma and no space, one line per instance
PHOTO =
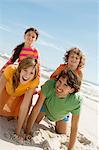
62,88
30,37
27,74
73,60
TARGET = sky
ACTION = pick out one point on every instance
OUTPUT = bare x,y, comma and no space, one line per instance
62,24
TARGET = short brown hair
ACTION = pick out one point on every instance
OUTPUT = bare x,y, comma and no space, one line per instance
73,80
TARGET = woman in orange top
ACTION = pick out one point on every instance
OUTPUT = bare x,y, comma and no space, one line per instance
17,85
74,59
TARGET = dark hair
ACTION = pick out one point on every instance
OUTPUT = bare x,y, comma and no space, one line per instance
73,80
18,49
34,30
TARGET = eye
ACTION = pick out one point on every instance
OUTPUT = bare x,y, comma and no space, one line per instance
77,58
59,81
33,37
25,70
32,72
66,85
29,34
72,56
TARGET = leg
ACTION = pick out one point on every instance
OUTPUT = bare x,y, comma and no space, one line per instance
61,127
40,117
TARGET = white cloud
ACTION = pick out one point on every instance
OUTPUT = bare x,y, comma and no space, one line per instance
4,28
51,45
46,34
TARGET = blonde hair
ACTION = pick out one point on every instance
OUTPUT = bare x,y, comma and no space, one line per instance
24,64
79,53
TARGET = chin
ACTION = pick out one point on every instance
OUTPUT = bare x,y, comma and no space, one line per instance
58,95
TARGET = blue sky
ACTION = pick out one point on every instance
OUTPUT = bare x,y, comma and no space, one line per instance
62,24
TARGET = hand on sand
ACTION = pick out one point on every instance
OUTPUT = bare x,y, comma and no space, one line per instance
28,137
19,138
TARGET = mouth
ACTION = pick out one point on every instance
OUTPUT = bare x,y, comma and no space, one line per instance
24,79
58,91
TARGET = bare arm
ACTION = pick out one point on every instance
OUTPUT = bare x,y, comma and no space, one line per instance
2,83
73,134
56,73
34,113
7,63
24,109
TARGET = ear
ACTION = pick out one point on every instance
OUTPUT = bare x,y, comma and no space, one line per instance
72,90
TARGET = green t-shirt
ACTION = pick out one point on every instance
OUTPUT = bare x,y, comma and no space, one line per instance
57,108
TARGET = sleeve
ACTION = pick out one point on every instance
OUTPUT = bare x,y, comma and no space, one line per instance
56,72
8,71
8,62
35,83
47,87
77,109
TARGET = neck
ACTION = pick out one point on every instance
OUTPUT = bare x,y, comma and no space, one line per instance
27,45
72,68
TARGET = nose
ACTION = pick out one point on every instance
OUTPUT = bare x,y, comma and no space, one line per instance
27,75
60,86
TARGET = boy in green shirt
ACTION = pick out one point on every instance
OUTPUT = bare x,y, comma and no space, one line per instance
58,98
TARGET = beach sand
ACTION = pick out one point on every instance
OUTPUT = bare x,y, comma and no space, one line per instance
44,136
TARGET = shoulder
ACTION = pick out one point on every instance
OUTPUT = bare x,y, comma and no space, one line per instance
10,68
76,103
36,53
48,87
77,97
62,66
50,83
9,71
35,50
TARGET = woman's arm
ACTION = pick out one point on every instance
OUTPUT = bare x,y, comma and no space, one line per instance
7,63
2,83
24,108
34,113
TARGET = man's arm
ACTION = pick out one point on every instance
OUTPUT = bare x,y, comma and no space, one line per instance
73,134
34,113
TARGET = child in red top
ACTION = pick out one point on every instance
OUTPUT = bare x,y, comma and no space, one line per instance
25,49
74,59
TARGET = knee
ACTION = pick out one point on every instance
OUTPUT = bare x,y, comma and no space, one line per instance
60,131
